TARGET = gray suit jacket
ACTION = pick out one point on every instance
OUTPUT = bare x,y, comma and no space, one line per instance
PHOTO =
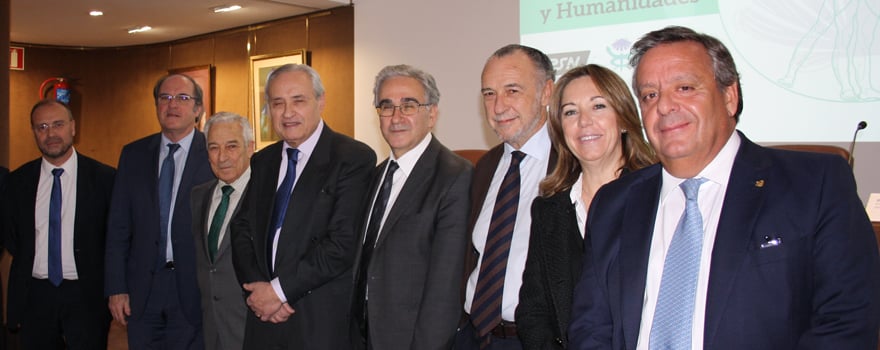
223,307
414,272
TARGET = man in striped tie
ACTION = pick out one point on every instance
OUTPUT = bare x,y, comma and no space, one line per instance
517,82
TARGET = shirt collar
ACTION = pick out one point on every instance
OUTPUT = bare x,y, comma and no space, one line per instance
184,143
717,171
538,146
407,162
306,148
240,183
69,165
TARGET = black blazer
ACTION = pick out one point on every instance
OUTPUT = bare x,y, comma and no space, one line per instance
94,183
413,273
316,246
553,266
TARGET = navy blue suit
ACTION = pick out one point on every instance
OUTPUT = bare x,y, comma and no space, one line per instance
133,228
818,289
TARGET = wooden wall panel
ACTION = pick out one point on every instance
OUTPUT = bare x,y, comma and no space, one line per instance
231,73
286,35
331,41
112,88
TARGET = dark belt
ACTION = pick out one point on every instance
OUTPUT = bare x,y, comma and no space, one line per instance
169,265
504,330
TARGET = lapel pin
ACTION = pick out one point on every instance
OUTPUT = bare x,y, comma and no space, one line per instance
759,183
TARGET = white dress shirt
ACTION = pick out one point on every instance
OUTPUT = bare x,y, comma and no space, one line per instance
68,214
179,163
406,163
580,208
238,186
305,152
533,169
671,207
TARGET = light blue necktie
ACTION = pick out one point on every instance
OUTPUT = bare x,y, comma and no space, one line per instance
55,271
673,317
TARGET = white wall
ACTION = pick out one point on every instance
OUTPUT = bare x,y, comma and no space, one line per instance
451,39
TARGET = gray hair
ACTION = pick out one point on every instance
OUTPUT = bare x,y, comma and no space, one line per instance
432,94
228,117
723,66
542,63
317,85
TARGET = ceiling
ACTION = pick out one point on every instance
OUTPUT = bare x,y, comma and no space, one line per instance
67,22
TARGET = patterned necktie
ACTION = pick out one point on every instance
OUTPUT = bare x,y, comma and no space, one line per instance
673,316
486,308
217,222
370,240
166,188
282,198
55,271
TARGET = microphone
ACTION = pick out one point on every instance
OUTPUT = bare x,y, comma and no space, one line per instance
852,145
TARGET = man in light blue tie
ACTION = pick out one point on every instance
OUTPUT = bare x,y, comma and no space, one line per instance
725,244
55,209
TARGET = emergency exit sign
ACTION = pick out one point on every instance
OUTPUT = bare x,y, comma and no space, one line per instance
16,58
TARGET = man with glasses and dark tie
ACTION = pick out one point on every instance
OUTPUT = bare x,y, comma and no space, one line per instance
413,239
293,239
55,213
150,260
724,244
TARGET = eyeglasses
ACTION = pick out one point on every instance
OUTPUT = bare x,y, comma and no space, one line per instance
43,127
407,108
165,99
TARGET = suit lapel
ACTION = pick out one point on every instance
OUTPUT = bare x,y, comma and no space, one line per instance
635,245
743,201
85,188
202,219
412,188
227,236
308,184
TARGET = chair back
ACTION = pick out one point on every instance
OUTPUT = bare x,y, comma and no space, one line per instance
472,155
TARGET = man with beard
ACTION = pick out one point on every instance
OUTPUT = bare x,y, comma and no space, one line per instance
517,82
55,215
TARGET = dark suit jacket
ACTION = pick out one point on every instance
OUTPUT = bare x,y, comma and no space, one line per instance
133,227
414,284
94,182
556,252
316,246
818,289
223,306
483,173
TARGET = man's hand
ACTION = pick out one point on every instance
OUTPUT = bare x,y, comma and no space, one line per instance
119,308
263,301
281,315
